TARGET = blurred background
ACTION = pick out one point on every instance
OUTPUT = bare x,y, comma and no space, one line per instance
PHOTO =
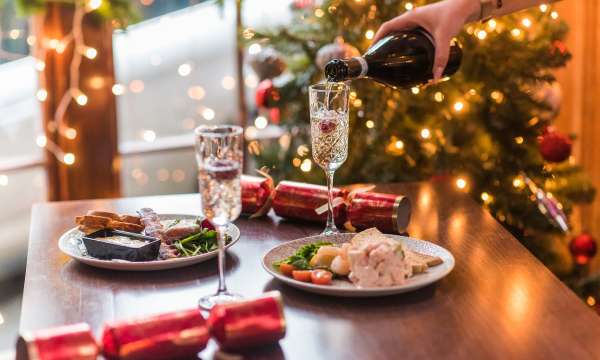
176,66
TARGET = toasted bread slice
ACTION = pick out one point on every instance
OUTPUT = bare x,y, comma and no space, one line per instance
428,259
92,221
107,214
421,262
131,219
119,225
366,235
88,230
419,268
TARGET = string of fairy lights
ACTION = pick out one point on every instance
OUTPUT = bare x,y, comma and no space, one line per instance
456,106
74,96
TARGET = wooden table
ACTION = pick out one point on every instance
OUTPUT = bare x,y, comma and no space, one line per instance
499,302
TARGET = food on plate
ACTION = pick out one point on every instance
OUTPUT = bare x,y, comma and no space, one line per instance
97,220
324,256
154,227
302,275
177,237
287,269
115,244
125,226
180,229
376,260
421,262
370,259
180,237
321,277
340,264
123,240
132,219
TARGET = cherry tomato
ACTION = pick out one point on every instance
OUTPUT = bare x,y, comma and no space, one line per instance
287,269
321,277
302,275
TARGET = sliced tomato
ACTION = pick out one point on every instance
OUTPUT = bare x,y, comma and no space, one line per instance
287,269
321,277
302,275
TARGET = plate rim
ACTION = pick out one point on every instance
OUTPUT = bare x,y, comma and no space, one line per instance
359,292
146,265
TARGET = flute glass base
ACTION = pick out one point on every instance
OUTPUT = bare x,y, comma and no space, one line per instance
330,231
209,301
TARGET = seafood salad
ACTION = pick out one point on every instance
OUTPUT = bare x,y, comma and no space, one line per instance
370,259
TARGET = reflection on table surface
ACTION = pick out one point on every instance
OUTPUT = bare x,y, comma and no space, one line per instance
497,300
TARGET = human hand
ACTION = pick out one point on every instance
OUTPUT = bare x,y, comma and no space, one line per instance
443,20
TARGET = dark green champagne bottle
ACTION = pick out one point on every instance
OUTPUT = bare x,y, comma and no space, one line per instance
401,59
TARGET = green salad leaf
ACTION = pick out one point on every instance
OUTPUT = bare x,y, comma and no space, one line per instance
200,243
301,259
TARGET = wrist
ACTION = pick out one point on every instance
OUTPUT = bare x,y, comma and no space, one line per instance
469,9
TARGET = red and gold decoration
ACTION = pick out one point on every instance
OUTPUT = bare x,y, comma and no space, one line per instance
300,201
548,205
355,208
249,323
303,4
175,335
554,146
167,336
257,194
583,248
388,213
69,342
267,95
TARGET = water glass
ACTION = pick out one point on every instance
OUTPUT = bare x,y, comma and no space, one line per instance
219,154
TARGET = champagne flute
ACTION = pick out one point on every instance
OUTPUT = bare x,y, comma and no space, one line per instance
329,135
219,156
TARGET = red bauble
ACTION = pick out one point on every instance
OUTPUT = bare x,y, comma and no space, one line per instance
583,248
266,95
554,146
303,4
275,115
559,46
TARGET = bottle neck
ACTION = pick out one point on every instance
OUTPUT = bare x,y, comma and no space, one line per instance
357,67
341,70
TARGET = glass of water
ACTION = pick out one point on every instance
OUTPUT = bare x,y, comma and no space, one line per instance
329,134
219,156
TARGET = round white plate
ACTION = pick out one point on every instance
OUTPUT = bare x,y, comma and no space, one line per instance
71,244
345,288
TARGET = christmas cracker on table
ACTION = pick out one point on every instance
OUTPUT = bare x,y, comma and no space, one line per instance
354,208
181,334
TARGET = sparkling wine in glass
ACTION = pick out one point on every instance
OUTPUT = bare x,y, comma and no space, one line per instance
329,135
219,156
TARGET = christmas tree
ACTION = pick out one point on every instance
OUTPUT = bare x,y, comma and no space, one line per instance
488,128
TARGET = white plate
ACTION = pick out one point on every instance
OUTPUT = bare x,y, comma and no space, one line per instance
71,244
345,288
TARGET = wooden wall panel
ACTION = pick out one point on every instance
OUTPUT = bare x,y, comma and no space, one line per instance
95,173
580,83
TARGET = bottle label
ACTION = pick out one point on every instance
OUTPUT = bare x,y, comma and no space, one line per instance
364,67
